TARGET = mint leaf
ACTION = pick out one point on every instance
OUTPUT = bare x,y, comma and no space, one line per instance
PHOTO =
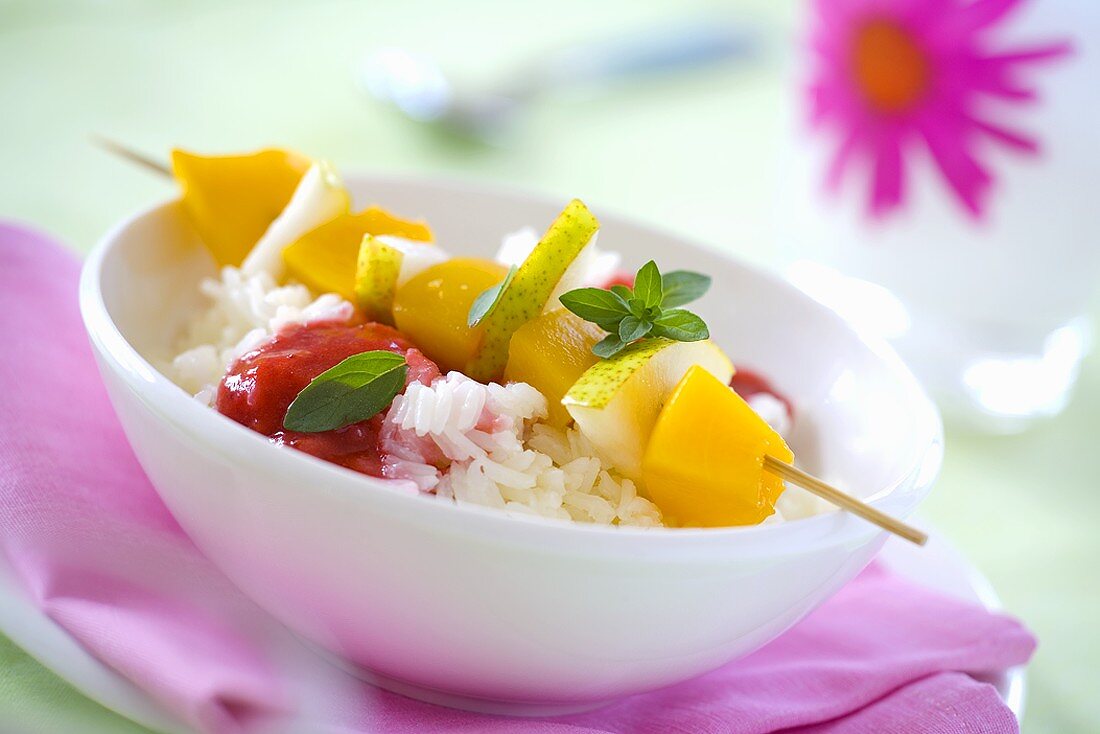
622,291
596,305
484,304
646,310
631,328
608,347
356,389
611,327
647,285
681,325
683,286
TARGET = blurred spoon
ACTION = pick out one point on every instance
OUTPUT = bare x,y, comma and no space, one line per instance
416,85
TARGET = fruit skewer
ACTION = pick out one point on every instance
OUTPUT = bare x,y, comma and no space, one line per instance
777,467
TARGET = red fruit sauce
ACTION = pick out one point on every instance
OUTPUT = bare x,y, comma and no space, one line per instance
747,383
621,277
260,386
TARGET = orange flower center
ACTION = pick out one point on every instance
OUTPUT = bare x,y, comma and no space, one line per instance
889,68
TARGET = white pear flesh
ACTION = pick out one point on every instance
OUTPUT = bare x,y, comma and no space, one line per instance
319,198
615,403
416,255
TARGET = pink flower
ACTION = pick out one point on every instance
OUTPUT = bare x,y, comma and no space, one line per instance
888,74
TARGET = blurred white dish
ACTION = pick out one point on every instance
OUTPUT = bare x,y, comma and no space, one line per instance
467,606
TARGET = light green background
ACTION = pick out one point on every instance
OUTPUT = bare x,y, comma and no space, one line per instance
696,155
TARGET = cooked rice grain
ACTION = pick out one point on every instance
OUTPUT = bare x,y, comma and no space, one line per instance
501,456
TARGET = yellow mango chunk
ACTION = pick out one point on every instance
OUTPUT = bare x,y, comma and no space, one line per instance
432,308
704,464
550,352
231,200
326,258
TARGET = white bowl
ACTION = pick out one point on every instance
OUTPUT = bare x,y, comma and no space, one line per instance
467,606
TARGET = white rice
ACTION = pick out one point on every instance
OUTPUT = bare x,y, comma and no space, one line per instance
501,456
773,410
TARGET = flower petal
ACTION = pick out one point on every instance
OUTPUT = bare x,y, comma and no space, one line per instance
1049,52
947,141
978,15
887,181
1004,135
843,157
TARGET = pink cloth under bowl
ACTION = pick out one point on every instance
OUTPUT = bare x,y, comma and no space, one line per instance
101,556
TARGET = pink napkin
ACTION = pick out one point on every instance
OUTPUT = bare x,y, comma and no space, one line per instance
98,552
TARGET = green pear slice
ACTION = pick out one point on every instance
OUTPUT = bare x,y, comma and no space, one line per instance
376,274
319,198
385,263
534,284
615,403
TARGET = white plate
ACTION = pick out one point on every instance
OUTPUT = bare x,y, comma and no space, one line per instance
939,566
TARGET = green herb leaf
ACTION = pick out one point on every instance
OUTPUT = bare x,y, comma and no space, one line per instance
683,286
608,347
637,307
356,389
631,328
632,314
484,304
596,305
647,285
622,291
611,327
681,325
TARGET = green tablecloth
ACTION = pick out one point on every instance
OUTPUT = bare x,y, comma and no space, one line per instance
694,154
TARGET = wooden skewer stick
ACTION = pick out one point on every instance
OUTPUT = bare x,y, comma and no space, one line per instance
843,500
131,155
790,473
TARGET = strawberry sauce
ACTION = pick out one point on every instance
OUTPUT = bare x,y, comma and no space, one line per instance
747,383
260,386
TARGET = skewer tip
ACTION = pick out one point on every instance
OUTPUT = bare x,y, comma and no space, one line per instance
123,151
845,501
